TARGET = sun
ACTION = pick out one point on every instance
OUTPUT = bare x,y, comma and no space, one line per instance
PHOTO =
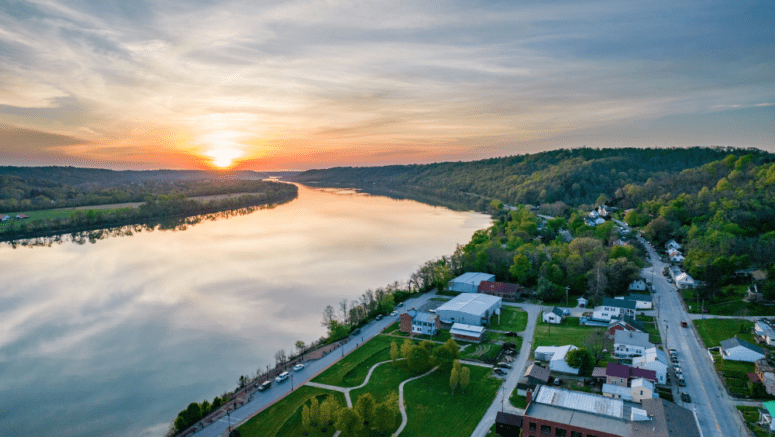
224,157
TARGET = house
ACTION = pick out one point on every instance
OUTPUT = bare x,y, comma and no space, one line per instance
555,316
419,322
598,374
735,349
642,301
655,360
766,373
556,357
676,256
639,390
582,303
599,221
753,295
638,285
507,424
470,309
22,216
504,290
593,215
624,324
589,221
683,280
523,388
469,282
469,333
622,375
5,218
536,374
631,344
672,245
764,331
605,210
553,411
614,308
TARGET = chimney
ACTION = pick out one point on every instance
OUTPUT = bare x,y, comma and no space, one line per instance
529,397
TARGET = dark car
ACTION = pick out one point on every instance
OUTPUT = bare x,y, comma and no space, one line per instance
499,371
264,386
356,331
511,334
379,316
686,398
504,365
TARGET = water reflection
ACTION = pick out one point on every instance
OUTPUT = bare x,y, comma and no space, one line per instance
115,338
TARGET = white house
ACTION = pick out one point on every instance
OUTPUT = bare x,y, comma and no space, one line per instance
469,282
676,257
470,309
734,349
6,218
764,330
556,357
653,359
594,215
613,308
683,280
639,390
638,285
642,301
672,245
631,344
555,316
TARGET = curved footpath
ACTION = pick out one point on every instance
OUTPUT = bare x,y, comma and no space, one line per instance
260,401
401,406
346,390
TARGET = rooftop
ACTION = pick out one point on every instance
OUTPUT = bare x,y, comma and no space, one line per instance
463,329
633,338
498,287
734,342
474,277
422,316
471,303
619,303
537,372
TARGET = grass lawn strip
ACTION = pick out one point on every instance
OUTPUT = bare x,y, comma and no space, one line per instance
433,410
351,371
511,319
283,418
713,331
569,332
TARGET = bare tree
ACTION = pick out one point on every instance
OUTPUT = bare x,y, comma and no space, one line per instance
328,316
279,357
599,344
343,310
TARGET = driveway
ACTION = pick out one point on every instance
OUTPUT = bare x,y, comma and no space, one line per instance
261,400
714,409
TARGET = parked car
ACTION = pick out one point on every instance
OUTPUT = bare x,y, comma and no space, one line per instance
356,331
511,334
265,385
557,381
394,313
298,367
674,359
499,371
504,365
684,324
681,382
379,316
281,377
686,398
400,304
672,351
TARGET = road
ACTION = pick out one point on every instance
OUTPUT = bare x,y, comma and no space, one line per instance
714,409
261,400
515,374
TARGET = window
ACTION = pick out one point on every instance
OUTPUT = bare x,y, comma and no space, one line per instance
532,426
641,392
546,430
559,432
576,434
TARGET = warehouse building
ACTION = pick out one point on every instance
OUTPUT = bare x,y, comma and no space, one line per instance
469,282
470,309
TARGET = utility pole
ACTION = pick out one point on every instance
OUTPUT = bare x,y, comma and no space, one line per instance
567,287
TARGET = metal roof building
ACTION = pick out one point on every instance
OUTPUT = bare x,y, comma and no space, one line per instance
470,309
469,282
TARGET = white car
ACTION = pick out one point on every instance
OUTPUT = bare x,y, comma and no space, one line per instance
281,377
298,367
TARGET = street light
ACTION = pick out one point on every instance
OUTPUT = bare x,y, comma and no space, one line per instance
228,413
291,381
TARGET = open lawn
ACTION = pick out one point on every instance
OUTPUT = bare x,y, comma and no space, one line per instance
713,331
569,332
511,319
384,380
728,303
433,410
485,351
751,416
653,331
283,418
351,371
517,400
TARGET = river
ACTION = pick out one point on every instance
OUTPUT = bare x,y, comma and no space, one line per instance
114,338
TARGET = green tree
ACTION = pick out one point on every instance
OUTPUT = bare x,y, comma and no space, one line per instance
393,352
366,406
406,347
454,379
465,378
428,345
314,411
348,421
581,359
418,359
446,354
385,416
305,422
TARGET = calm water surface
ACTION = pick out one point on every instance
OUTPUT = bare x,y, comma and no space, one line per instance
115,338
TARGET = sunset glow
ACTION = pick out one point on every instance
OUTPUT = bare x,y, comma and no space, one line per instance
321,84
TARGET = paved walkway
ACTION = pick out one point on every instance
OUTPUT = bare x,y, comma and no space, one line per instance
346,390
401,406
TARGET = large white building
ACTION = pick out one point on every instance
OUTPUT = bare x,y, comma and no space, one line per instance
469,282
556,357
470,309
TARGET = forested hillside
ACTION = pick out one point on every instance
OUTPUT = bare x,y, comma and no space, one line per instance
575,176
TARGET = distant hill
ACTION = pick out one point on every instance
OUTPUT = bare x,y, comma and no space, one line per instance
573,176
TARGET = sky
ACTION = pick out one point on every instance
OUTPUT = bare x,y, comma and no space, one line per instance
293,85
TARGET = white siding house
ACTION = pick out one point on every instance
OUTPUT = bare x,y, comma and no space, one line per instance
630,344
734,349
638,285
676,256
614,308
683,280
765,331
556,357
555,316
654,359
672,245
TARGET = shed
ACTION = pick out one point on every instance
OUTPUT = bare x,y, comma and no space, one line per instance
582,303
469,282
536,374
470,333
508,425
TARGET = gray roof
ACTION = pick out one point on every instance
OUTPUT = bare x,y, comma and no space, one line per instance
641,297
619,303
470,303
422,316
734,342
633,338
474,278
668,420
558,311
537,372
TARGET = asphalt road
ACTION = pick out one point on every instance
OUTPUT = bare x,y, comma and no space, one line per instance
261,400
716,414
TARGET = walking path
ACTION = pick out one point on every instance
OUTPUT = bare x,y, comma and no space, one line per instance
346,390
401,406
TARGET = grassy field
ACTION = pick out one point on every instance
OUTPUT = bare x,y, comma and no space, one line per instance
517,400
653,331
433,410
728,303
713,331
284,417
569,332
482,351
351,371
751,416
511,319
